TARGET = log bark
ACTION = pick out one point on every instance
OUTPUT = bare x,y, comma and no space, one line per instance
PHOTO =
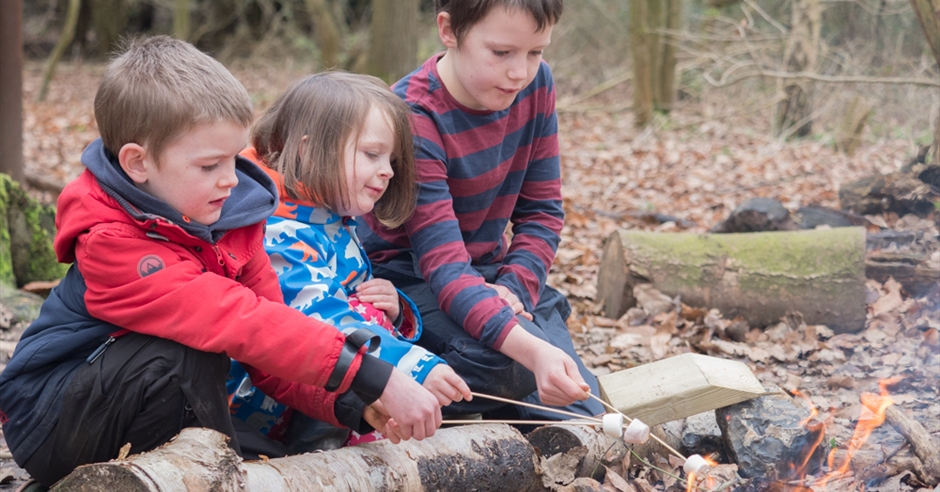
913,271
478,457
601,450
758,276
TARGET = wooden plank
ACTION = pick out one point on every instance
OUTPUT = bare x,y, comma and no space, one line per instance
679,387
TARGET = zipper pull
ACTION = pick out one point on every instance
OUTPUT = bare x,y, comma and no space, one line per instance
100,350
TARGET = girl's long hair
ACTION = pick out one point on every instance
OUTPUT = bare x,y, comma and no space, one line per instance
329,108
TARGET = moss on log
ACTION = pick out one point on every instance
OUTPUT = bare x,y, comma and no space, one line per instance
759,276
27,229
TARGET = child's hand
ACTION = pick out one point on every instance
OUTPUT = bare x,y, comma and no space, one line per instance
376,415
381,294
414,411
556,374
446,385
514,302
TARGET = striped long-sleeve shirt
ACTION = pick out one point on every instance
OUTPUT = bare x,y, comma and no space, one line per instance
477,172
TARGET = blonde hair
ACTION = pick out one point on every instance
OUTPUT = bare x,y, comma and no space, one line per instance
329,108
160,87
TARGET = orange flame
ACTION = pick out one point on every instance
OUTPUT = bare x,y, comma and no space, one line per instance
818,428
873,415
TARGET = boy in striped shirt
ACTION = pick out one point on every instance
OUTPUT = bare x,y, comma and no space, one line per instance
487,155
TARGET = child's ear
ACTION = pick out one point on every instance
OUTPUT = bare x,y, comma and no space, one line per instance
134,162
445,31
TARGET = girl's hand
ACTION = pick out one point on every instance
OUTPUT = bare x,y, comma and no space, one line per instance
376,416
381,294
446,385
513,301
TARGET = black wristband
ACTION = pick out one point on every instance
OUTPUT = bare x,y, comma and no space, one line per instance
371,379
348,409
354,341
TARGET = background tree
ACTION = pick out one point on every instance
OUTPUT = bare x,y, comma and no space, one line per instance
794,112
11,88
393,38
928,13
654,55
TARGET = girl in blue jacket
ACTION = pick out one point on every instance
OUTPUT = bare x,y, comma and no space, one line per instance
339,146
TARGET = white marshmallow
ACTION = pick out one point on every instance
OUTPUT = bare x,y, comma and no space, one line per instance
613,424
696,464
637,432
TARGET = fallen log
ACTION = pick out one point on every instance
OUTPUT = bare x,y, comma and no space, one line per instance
757,276
915,433
483,457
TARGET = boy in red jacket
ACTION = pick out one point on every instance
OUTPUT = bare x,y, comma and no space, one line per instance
169,279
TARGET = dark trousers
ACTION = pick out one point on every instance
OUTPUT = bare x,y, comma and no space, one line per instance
485,370
142,390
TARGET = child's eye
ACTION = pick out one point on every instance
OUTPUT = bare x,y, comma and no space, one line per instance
210,167
372,155
536,53
500,53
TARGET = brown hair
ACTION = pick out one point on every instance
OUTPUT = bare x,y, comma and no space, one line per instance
465,13
160,87
330,108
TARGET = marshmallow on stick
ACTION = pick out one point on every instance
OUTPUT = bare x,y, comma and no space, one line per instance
696,464
637,432
613,424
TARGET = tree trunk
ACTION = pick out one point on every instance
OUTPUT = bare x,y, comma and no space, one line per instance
928,13
109,18
794,113
759,276
68,32
667,66
328,38
26,231
181,18
393,38
11,89
849,135
478,457
642,63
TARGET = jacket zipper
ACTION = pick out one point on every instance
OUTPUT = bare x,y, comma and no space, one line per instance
104,346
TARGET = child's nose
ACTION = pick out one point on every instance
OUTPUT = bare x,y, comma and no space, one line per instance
229,178
518,69
385,170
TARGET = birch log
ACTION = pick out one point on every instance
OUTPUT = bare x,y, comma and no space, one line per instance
759,276
483,457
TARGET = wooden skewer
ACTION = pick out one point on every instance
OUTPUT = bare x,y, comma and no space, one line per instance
611,407
537,407
521,422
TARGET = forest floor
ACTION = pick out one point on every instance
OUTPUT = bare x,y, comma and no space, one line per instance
695,165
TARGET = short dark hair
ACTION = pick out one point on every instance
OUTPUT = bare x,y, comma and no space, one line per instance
465,13
329,108
160,87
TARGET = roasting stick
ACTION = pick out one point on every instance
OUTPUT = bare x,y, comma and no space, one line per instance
537,407
693,464
521,422
612,408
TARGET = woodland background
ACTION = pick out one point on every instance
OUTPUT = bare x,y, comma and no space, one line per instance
671,112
